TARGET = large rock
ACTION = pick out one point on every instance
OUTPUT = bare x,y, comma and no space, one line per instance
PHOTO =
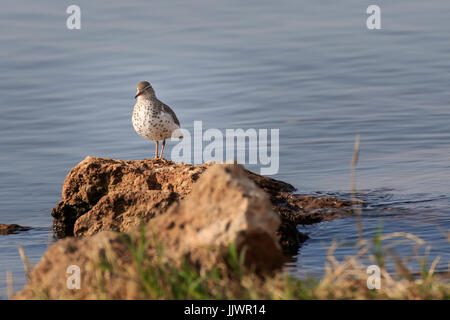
96,183
193,212
49,279
107,194
225,208
123,211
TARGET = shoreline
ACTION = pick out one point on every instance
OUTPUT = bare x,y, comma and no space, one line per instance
101,195
209,221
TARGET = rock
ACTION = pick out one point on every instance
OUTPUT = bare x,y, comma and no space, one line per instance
194,212
224,208
49,278
94,178
6,229
107,194
123,211
308,209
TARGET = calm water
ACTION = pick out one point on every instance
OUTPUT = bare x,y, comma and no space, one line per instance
309,68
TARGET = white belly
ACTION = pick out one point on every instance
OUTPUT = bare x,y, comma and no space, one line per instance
153,126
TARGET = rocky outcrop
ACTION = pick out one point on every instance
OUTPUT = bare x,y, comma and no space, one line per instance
180,213
6,229
224,209
106,194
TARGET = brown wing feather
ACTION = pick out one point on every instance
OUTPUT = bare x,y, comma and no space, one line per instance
167,109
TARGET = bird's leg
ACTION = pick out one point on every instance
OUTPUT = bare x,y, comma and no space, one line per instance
162,149
157,147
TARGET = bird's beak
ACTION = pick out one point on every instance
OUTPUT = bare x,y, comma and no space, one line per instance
138,94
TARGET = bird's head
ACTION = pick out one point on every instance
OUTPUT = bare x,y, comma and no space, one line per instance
144,88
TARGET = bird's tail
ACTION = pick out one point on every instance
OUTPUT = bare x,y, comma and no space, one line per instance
177,134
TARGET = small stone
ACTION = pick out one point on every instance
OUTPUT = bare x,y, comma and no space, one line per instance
6,229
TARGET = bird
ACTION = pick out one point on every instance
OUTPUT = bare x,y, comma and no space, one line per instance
152,119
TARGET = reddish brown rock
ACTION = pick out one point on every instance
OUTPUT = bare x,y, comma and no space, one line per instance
123,211
194,212
49,279
225,207
94,178
107,194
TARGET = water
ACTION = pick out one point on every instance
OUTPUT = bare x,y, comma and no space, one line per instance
311,69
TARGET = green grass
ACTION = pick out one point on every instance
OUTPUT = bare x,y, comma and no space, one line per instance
159,278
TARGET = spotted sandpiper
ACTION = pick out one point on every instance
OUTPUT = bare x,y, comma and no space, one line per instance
152,119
